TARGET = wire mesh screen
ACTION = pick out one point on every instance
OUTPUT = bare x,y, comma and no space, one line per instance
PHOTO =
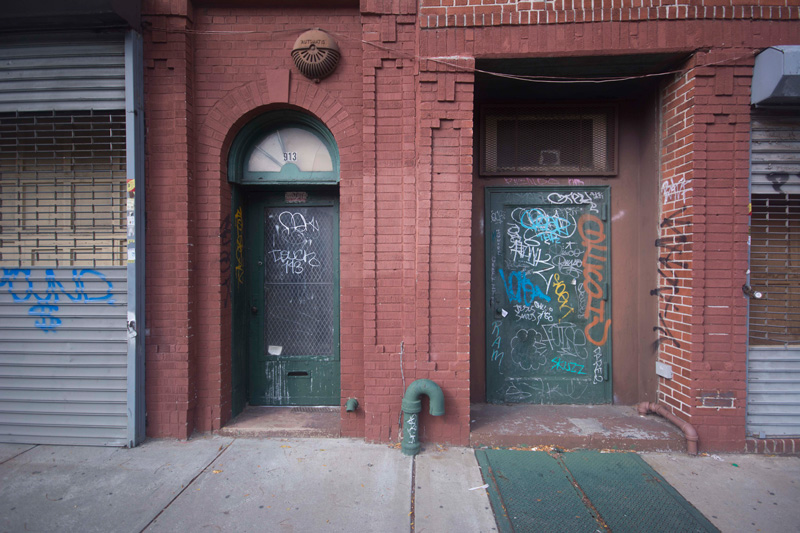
298,284
775,270
574,140
62,188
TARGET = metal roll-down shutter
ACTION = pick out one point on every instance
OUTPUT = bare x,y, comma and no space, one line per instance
773,378
63,244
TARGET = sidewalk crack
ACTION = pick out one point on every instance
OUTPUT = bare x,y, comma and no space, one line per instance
20,453
411,514
204,469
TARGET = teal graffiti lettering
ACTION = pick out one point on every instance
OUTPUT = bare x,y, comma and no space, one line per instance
567,366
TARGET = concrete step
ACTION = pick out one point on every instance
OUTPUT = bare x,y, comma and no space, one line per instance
595,427
262,422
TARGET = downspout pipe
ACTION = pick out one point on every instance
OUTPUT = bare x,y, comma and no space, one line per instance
688,430
412,405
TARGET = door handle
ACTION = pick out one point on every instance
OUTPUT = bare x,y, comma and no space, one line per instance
751,292
254,310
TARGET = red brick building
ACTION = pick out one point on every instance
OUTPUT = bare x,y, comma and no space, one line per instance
532,202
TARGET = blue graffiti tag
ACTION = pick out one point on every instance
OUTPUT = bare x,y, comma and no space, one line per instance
44,307
47,321
550,228
520,289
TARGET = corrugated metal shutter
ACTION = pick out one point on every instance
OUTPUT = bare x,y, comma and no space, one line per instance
84,74
63,292
773,379
63,356
775,154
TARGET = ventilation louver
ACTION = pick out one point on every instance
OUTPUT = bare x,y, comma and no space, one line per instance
316,54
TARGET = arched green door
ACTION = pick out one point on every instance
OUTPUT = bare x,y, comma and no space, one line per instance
286,276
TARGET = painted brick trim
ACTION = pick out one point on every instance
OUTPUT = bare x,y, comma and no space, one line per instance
789,446
476,13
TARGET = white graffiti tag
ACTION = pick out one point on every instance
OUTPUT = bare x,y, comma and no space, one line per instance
295,261
294,228
576,197
598,365
293,238
675,191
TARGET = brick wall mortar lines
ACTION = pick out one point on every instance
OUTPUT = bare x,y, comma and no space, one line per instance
445,124
675,242
488,13
171,365
725,247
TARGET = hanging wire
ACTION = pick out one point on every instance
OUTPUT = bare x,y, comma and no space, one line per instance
441,61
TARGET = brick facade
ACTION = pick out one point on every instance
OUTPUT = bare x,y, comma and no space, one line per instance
401,107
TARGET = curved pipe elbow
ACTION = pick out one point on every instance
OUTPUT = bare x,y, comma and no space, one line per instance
412,401
412,405
692,438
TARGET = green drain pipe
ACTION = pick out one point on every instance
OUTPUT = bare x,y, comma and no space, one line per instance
412,405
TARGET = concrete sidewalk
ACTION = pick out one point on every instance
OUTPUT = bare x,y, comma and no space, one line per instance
225,484
292,485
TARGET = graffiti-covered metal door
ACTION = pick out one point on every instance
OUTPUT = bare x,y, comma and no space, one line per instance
292,274
548,313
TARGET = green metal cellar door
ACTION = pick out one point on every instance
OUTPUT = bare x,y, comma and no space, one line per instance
548,308
292,242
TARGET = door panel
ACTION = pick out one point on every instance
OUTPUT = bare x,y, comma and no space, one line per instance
294,280
548,296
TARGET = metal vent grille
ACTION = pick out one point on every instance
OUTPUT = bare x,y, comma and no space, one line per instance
314,410
62,188
775,270
574,140
316,54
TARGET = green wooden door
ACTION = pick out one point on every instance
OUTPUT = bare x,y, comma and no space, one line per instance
548,308
292,242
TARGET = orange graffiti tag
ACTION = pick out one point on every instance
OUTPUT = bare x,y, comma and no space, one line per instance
592,231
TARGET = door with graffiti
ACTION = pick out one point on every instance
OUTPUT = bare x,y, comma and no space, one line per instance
292,276
548,314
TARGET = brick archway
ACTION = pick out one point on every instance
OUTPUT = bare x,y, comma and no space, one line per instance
214,137
242,104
